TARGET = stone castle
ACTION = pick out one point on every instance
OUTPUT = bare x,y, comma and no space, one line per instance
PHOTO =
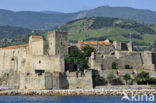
121,53
40,64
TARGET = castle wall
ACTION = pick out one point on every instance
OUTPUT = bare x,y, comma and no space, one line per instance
32,82
137,60
47,81
81,82
10,65
133,59
101,48
102,62
48,63
104,49
149,60
107,61
121,58
11,59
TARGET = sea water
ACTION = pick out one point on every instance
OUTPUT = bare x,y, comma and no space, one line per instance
65,99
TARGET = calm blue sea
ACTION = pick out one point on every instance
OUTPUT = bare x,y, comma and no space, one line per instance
65,99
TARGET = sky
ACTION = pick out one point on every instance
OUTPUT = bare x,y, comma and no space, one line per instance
72,5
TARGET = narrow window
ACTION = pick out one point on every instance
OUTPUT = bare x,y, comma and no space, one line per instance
12,59
39,62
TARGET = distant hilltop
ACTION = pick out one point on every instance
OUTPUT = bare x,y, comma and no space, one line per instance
49,19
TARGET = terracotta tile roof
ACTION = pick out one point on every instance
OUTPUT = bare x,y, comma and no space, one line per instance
95,42
39,37
16,46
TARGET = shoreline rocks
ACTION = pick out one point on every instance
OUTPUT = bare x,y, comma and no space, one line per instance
79,92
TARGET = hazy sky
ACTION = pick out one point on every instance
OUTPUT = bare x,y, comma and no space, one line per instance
72,5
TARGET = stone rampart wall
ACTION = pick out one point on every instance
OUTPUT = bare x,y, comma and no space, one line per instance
32,82
83,82
49,64
11,59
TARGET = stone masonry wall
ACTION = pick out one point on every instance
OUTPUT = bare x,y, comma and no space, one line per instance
58,43
121,58
134,59
48,63
11,59
36,46
81,82
11,65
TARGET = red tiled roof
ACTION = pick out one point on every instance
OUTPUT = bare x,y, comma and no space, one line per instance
39,37
94,42
16,46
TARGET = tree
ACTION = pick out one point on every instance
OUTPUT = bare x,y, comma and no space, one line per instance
99,80
111,77
114,80
126,77
152,80
127,66
114,65
142,78
76,57
87,50
117,81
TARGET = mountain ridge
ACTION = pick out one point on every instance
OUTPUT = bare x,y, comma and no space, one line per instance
50,19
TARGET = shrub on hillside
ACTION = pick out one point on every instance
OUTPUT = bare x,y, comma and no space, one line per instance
127,77
114,66
128,67
142,78
99,80
113,80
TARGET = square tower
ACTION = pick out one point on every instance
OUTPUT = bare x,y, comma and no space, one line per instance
58,43
36,45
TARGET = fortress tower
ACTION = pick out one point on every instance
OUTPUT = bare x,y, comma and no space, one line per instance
36,45
58,43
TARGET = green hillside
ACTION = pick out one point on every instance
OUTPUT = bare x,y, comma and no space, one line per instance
100,28
15,35
94,28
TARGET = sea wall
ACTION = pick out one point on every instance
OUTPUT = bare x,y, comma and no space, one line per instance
80,92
